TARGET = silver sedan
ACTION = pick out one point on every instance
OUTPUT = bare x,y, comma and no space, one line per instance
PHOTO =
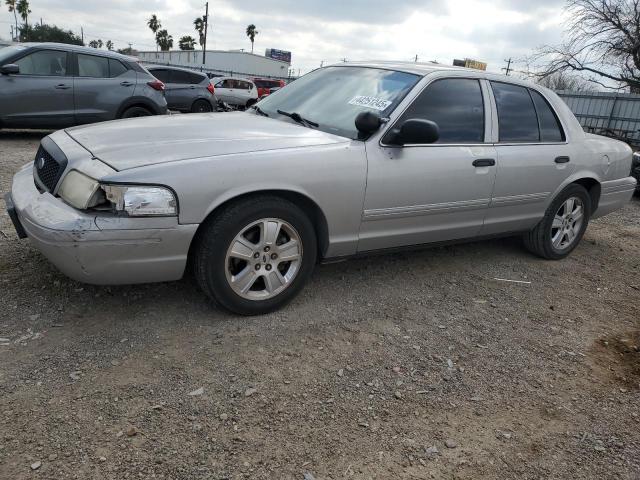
348,159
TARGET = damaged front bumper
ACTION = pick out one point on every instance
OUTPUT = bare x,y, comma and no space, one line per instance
101,249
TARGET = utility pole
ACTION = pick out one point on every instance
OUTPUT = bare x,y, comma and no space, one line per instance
13,39
206,25
508,69
344,60
82,35
416,60
321,63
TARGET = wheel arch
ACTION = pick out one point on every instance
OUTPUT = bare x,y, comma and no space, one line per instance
586,179
308,205
137,102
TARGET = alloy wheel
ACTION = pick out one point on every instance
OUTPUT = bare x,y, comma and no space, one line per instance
263,259
567,223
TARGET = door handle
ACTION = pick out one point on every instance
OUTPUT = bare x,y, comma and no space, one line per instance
63,86
484,162
562,159
126,84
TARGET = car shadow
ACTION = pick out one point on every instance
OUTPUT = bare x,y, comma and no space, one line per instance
23,134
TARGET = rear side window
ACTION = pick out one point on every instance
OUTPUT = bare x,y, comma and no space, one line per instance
160,74
178,76
92,66
456,105
116,68
516,114
196,78
44,62
550,129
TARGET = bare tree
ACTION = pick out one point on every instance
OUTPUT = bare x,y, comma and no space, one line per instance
602,41
566,81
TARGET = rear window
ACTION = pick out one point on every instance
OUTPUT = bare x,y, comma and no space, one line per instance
178,76
550,129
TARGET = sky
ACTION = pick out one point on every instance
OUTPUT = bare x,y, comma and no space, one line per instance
324,32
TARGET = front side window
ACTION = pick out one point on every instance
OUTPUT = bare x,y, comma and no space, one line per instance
455,105
332,97
50,63
517,117
93,66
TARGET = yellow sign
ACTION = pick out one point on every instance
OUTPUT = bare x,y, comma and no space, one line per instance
475,64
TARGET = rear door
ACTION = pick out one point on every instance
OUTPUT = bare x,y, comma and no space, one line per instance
225,91
181,89
101,86
533,156
41,95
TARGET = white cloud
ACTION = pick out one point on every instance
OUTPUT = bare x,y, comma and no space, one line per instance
326,31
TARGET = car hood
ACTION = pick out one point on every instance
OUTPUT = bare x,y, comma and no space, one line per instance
124,144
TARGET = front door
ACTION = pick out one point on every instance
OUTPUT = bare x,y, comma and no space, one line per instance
534,159
424,193
41,95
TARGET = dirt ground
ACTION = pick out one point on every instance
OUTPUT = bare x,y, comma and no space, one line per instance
413,366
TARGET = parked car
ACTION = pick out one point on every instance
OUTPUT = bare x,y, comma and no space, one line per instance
50,85
238,92
186,90
400,155
635,169
266,86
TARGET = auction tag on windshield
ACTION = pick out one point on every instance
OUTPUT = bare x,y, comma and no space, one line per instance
370,102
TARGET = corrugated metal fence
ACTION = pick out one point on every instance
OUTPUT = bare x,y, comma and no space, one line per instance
615,115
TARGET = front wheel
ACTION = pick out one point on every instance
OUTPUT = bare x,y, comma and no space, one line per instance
256,255
201,106
563,225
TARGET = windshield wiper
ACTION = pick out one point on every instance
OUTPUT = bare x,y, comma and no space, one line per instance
296,117
260,111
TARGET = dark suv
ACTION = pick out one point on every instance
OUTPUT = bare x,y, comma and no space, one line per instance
186,90
50,85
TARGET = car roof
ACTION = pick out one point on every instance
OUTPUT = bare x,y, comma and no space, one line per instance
233,78
168,67
78,49
424,69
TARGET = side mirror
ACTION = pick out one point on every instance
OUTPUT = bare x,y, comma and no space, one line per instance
368,122
10,69
415,131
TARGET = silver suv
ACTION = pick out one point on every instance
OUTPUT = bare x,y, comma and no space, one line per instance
50,85
186,90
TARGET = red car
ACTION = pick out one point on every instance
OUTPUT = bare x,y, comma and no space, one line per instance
265,85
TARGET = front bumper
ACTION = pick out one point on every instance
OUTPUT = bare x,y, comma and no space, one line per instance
99,249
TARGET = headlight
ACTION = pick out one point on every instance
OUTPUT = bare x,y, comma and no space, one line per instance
80,191
140,201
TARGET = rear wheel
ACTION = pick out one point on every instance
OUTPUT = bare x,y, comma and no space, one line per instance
134,112
563,225
256,255
201,106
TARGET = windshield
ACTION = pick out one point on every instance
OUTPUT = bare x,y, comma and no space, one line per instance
7,52
332,97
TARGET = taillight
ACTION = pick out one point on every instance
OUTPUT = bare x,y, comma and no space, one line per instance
156,85
212,90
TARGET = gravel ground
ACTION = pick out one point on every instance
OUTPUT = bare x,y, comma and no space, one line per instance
417,365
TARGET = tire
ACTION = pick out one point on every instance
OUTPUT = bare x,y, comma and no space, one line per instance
133,112
558,233
201,106
231,248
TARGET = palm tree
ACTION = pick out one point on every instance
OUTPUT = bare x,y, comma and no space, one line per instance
251,33
109,45
164,40
198,24
187,43
12,8
23,9
154,24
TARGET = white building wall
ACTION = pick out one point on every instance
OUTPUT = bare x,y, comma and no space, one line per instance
238,63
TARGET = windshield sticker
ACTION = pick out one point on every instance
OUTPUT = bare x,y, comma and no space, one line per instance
370,102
